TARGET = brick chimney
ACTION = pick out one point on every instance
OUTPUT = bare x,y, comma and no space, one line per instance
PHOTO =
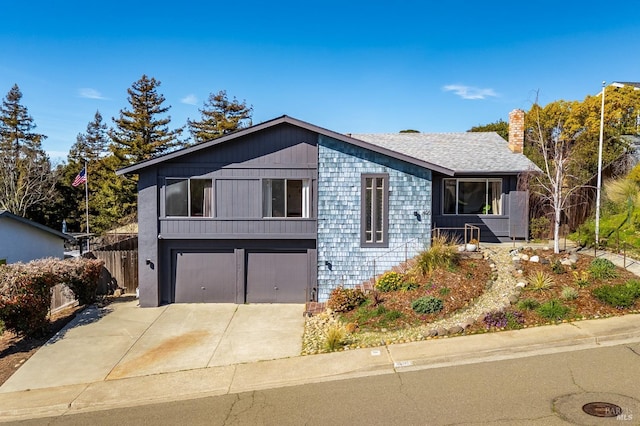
516,130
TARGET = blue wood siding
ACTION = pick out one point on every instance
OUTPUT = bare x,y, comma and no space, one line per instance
341,258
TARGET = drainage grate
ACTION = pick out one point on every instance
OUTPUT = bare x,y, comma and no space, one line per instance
602,409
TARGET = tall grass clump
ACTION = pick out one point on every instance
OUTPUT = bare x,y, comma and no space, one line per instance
443,253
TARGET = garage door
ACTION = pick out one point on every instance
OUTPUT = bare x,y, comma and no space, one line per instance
204,277
277,277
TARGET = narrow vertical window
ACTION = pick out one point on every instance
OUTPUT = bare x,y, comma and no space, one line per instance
374,216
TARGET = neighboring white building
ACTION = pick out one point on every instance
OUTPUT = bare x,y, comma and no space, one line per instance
22,240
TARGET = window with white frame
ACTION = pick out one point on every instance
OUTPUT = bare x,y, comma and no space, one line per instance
285,198
472,196
188,197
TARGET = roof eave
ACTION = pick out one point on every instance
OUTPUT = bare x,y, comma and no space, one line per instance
135,168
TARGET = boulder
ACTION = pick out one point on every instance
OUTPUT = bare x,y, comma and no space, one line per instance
534,259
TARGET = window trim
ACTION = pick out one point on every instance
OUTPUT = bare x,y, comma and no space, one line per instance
306,198
487,181
188,216
385,210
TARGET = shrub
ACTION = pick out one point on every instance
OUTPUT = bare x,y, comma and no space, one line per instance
390,281
334,338
443,253
345,299
540,227
504,319
581,278
497,319
82,275
25,296
409,285
602,268
553,310
528,304
427,305
539,281
569,293
557,268
620,296
515,319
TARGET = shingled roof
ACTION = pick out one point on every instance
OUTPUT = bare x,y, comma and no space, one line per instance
464,153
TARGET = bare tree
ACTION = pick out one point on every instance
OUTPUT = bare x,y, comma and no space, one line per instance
553,140
26,178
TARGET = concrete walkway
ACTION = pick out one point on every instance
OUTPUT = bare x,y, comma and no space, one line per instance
191,361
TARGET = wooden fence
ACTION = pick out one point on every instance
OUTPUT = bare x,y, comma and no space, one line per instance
121,270
61,297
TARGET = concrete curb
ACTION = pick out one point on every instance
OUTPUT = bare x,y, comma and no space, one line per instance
222,380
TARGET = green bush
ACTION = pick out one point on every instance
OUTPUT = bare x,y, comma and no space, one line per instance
345,299
557,268
540,227
619,296
427,305
569,293
390,281
539,281
553,310
581,278
601,268
528,304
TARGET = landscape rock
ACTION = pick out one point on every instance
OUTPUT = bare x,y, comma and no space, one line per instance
456,329
534,259
442,331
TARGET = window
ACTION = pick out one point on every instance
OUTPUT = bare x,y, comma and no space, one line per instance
285,198
472,196
374,217
188,197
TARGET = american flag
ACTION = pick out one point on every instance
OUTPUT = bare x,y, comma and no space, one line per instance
81,178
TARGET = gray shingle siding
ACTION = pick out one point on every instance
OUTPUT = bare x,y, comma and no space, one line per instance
340,167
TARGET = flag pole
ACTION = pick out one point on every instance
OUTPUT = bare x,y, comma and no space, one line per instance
86,198
599,185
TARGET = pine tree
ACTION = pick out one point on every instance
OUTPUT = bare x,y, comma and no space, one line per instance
220,117
26,178
91,145
90,148
140,133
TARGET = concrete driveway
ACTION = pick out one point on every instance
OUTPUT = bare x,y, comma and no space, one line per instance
123,340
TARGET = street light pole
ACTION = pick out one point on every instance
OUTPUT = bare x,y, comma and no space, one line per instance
599,186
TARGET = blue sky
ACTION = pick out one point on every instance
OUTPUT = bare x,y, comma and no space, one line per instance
352,67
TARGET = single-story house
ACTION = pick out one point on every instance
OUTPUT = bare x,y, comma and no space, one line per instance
285,211
22,240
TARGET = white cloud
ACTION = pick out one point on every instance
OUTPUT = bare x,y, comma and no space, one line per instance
190,99
89,93
469,92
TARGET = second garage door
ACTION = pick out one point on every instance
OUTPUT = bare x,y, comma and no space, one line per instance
277,277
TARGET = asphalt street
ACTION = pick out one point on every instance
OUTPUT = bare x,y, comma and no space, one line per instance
536,390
